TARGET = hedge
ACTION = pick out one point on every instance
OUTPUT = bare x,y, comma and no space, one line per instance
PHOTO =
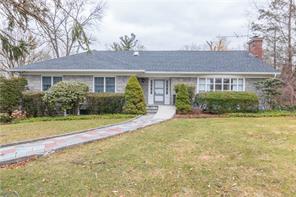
34,106
104,103
226,102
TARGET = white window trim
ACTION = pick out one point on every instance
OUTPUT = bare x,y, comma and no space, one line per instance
51,80
115,80
222,83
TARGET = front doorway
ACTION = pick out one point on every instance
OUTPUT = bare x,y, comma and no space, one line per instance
159,92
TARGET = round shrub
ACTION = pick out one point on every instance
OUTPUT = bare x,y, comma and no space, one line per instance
183,104
225,102
68,95
134,102
190,89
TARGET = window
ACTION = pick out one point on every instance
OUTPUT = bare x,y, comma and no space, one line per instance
202,84
110,84
234,84
220,84
48,81
104,84
210,84
240,85
151,86
166,87
226,84
99,84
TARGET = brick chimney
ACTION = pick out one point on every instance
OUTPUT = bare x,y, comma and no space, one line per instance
255,47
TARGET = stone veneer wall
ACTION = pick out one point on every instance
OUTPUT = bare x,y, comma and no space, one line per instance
87,79
34,82
181,80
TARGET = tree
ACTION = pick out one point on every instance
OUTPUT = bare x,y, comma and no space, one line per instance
270,90
11,93
183,103
218,45
127,43
66,25
66,94
17,14
277,24
134,102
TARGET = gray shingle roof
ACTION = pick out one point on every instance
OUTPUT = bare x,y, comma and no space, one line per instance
165,61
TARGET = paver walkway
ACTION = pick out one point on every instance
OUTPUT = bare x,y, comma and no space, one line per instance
10,154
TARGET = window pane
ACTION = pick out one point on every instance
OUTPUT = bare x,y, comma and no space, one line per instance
46,83
110,84
218,80
57,79
202,88
99,84
218,87
202,81
166,87
226,81
210,80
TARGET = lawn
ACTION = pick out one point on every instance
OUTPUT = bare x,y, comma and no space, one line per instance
181,157
48,126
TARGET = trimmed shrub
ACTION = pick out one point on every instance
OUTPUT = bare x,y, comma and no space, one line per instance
134,102
190,89
183,104
68,95
34,106
226,102
5,118
104,103
11,93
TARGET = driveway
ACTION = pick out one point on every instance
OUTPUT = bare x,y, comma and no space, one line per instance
21,151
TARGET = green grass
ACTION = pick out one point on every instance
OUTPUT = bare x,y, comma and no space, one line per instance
47,126
263,114
181,157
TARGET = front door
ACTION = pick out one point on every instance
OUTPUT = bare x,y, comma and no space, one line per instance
159,87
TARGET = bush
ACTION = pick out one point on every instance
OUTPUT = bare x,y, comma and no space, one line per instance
101,103
225,102
68,95
11,93
190,89
5,118
33,104
270,90
183,103
134,102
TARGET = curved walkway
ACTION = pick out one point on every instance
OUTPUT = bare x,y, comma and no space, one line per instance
21,151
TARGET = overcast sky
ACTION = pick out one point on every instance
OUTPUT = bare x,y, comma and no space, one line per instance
171,24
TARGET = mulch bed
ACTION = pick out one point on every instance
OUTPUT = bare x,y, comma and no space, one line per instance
197,113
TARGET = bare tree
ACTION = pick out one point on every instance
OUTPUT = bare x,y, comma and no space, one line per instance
218,45
127,43
66,25
277,23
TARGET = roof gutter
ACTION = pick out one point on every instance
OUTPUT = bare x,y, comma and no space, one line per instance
75,70
141,71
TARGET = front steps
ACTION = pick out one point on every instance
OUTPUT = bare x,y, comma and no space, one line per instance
152,109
